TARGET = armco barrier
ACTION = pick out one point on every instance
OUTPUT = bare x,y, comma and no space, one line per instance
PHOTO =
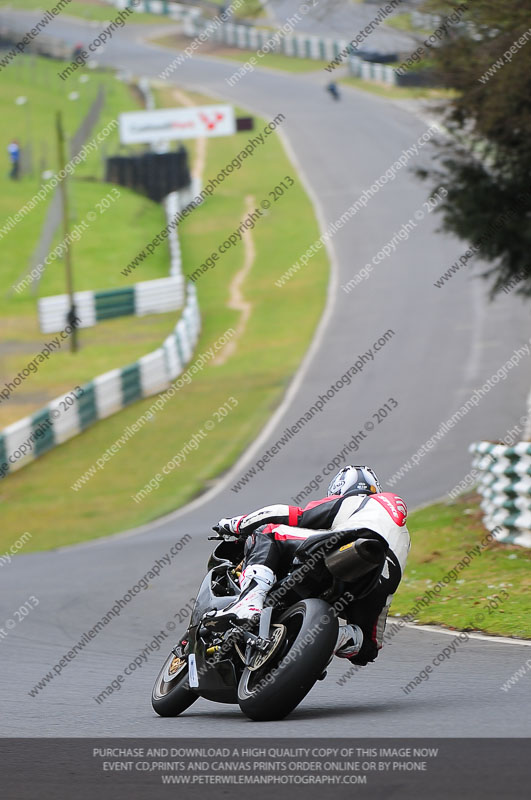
505,487
68,415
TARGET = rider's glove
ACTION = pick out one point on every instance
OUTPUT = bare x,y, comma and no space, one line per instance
228,525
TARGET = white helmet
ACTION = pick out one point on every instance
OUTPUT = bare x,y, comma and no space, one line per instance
354,480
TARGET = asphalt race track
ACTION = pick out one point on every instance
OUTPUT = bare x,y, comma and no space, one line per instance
445,343
343,20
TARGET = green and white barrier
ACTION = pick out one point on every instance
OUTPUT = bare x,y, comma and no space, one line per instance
298,45
382,73
174,203
246,37
157,296
149,297
174,10
68,415
505,487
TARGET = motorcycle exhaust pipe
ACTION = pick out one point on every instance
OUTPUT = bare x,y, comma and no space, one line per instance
356,559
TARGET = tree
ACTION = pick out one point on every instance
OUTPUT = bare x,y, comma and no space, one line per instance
486,167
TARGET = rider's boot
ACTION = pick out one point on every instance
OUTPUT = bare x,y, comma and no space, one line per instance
349,641
256,581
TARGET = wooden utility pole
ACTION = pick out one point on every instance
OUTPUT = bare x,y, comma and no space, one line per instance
66,230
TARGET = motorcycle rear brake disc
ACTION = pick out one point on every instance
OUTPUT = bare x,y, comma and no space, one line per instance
277,637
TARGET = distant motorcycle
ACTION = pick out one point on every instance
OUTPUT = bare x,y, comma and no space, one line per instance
269,664
334,91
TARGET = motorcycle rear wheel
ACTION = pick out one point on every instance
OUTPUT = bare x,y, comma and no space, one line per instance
274,690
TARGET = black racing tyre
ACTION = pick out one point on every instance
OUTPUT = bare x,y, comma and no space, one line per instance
171,693
274,690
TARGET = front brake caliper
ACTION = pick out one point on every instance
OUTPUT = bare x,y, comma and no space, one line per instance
176,664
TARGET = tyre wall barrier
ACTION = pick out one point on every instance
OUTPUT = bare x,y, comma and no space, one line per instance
247,37
148,297
505,488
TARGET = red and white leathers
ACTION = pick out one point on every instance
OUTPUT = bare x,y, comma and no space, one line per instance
279,528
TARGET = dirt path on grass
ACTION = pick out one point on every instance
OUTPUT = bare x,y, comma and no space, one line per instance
236,299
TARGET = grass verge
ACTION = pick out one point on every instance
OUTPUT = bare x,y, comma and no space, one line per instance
397,92
250,9
114,233
401,22
404,22
40,499
441,535
90,9
33,124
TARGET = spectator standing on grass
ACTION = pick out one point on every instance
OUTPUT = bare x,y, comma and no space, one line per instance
14,155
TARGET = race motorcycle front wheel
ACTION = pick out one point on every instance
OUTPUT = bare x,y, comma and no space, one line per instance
270,690
171,693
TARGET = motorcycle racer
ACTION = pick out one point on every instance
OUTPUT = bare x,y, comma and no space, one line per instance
354,502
